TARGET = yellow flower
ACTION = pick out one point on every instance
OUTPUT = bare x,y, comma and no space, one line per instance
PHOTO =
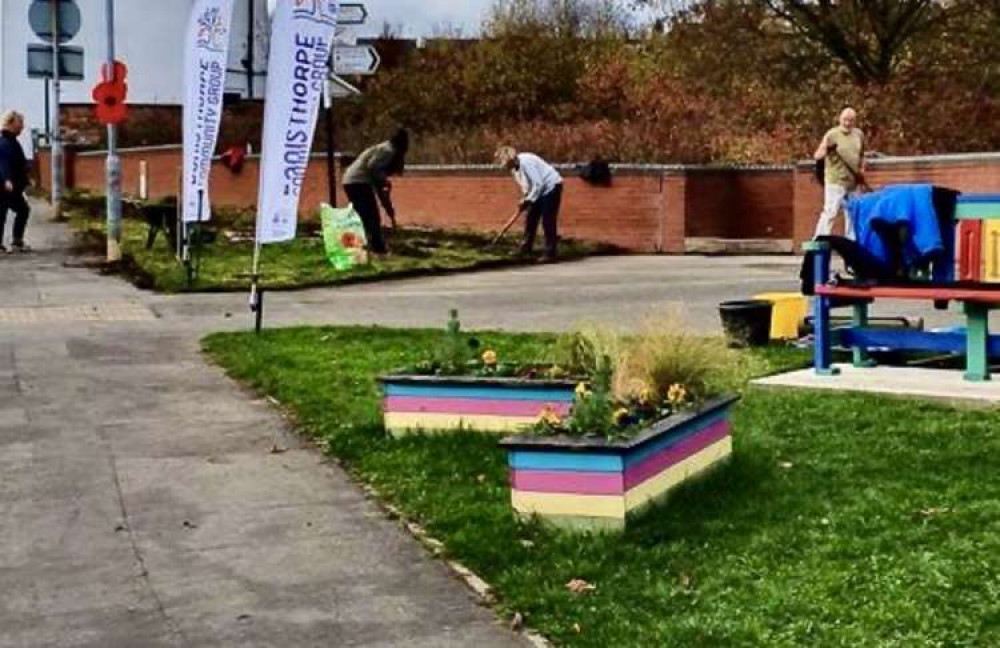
646,396
490,358
582,391
677,395
550,417
620,416
557,372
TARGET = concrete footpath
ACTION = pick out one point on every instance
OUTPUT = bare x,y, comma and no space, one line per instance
141,503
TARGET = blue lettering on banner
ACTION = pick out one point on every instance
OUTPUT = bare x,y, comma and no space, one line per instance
308,75
211,83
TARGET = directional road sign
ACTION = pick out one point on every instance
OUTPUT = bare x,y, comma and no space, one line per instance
70,62
40,19
352,14
355,59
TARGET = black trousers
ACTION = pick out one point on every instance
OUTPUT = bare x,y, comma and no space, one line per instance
545,210
362,196
16,203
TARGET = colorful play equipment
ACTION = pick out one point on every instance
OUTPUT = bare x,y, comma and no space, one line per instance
968,273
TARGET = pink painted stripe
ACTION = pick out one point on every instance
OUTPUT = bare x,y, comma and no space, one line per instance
418,405
578,483
640,473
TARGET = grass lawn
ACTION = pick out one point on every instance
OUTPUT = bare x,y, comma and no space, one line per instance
841,521
302,263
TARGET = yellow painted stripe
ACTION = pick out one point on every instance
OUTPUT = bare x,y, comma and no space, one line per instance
991,249
656,487
592,506
404,422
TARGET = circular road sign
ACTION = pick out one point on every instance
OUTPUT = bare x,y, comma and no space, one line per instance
40,18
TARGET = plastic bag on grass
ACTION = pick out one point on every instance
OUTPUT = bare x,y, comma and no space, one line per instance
343,237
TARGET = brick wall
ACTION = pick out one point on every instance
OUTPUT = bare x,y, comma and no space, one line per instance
646,210
739,203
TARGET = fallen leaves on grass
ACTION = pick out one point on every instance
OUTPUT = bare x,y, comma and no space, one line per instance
580,586
928,513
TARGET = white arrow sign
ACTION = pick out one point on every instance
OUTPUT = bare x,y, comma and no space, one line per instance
337,88
352,14
356,59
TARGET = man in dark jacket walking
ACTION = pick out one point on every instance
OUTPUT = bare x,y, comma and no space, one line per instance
13,180
368,178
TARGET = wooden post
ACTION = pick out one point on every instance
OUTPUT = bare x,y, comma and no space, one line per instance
977,361
862,359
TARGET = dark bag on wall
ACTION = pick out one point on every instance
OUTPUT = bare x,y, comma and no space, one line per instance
597,173
819,170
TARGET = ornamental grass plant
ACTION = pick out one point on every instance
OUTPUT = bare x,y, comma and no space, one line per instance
636,380
666,355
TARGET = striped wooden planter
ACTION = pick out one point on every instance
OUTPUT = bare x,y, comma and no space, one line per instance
592,483
414,404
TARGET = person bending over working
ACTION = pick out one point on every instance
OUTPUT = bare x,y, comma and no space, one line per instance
368,177
13,180
542,188
843,150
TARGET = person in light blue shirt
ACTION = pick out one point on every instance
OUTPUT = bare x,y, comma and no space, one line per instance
541,186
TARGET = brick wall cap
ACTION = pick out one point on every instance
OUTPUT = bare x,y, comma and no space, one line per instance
920,160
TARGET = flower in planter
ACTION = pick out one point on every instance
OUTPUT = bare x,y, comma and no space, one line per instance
582,391
647,396
490,358
621,417
557,373
550,418
677,395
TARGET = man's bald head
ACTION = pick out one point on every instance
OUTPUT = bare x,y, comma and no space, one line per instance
848,118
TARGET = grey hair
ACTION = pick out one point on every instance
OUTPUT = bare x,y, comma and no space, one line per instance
9,118
505,155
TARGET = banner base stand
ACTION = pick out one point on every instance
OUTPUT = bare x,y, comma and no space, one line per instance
257,304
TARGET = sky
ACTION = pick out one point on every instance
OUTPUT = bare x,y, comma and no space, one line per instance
419,17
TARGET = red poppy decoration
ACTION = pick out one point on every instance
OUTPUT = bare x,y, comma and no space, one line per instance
119,71
234,157
110,94
350,240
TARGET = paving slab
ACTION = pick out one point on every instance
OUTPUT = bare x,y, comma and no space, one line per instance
944,385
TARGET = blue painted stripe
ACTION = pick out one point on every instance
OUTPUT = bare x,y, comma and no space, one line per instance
565,461
482,393
979,198
610,462
902,339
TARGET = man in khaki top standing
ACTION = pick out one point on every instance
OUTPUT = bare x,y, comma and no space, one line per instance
843,148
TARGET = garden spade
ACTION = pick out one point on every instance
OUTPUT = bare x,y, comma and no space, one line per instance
510,224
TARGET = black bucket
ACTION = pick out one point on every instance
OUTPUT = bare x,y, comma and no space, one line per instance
747,323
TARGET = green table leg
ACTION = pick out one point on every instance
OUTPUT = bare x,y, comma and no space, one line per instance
977,339
862,360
